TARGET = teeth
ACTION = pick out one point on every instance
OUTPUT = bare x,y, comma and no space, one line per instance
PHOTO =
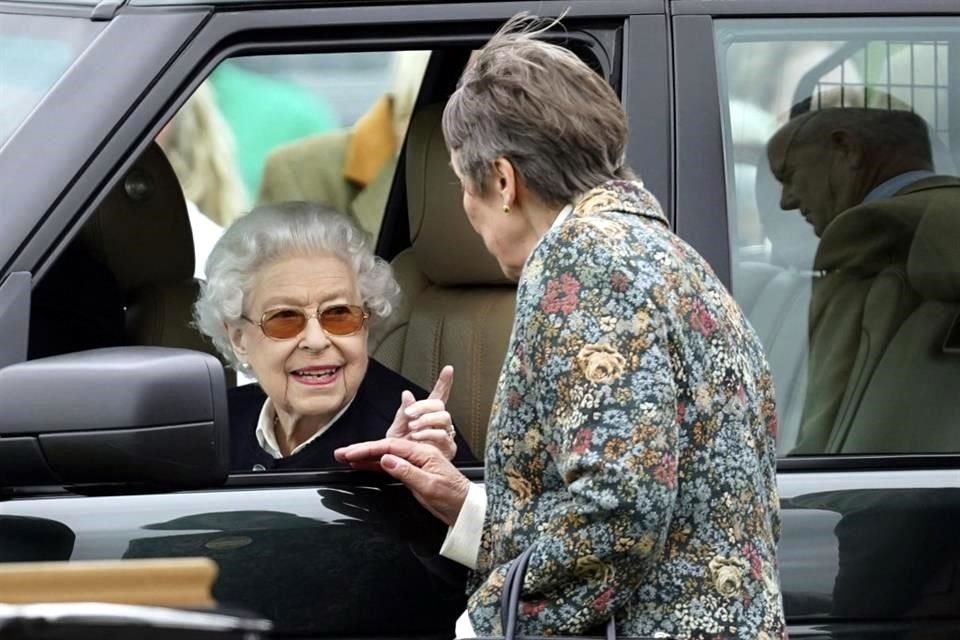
326,373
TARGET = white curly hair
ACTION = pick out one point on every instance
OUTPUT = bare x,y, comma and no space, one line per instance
275,231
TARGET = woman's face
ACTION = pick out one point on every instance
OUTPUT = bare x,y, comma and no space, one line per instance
507,235
313,374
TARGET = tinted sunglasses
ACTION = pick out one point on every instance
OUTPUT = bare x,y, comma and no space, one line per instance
284,323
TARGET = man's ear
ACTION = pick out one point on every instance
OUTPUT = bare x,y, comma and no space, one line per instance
505,177
849,146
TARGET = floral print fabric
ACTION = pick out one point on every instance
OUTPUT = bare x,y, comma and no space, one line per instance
631,441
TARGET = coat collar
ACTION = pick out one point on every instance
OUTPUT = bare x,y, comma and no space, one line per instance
372,144
869,237
925,184
621,196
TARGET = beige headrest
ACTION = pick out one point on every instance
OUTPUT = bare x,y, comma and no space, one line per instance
933,267
447,249
141,231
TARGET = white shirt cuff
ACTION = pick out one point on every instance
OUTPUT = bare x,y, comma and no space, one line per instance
462,543
464,628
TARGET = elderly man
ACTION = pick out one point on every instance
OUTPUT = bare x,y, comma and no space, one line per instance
863,178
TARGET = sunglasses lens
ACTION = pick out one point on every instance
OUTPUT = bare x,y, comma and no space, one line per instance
284,323
342,320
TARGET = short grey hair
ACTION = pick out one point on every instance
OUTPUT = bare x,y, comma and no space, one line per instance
275,231
537,104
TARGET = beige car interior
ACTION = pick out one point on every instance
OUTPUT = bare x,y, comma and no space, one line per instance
457,306
141,232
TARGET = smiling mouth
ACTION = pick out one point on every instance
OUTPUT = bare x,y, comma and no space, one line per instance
316,374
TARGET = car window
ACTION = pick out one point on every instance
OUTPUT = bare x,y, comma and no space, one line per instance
323,128
317,127
189,185
326,128
36,51
842,143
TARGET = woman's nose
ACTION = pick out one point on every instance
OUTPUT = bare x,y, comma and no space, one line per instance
314,337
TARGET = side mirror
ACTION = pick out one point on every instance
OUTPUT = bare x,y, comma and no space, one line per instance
145,416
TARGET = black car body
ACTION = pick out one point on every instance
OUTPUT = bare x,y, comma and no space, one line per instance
870,547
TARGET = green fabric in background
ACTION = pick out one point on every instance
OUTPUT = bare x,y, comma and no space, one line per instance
264,112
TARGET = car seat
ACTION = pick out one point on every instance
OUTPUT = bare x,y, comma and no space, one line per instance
775,295
141,232
458,306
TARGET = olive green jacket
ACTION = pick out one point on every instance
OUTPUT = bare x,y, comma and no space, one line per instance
860,297
313,169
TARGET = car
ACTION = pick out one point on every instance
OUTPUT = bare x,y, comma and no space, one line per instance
97,273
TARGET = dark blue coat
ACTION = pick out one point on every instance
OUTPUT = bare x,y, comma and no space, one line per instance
368,418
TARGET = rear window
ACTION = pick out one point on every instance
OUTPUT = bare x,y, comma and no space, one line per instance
842,145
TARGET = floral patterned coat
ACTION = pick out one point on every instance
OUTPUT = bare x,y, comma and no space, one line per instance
631,440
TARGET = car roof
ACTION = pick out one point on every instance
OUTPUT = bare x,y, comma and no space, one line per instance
42,4
313,3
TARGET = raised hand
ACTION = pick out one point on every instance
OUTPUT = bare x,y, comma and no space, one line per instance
427,421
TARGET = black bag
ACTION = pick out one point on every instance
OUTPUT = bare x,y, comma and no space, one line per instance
510,605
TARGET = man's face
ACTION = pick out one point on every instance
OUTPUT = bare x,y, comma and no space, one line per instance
817,179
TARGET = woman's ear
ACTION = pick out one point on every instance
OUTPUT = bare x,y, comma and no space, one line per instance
237,340
505,177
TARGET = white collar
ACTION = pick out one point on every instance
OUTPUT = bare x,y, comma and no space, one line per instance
561,217
267,439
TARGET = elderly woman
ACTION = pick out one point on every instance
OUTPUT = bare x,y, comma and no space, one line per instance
292,291
631,443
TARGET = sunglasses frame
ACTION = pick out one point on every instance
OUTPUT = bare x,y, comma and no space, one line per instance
317,314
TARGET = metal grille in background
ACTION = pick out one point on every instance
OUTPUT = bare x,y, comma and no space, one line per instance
893,75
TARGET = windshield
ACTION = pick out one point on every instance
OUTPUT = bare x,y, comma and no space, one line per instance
35,52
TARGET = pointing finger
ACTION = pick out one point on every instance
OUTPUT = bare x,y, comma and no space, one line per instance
441,390
410,475
416,453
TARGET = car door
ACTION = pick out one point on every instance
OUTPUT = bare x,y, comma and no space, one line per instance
327,553
869,547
